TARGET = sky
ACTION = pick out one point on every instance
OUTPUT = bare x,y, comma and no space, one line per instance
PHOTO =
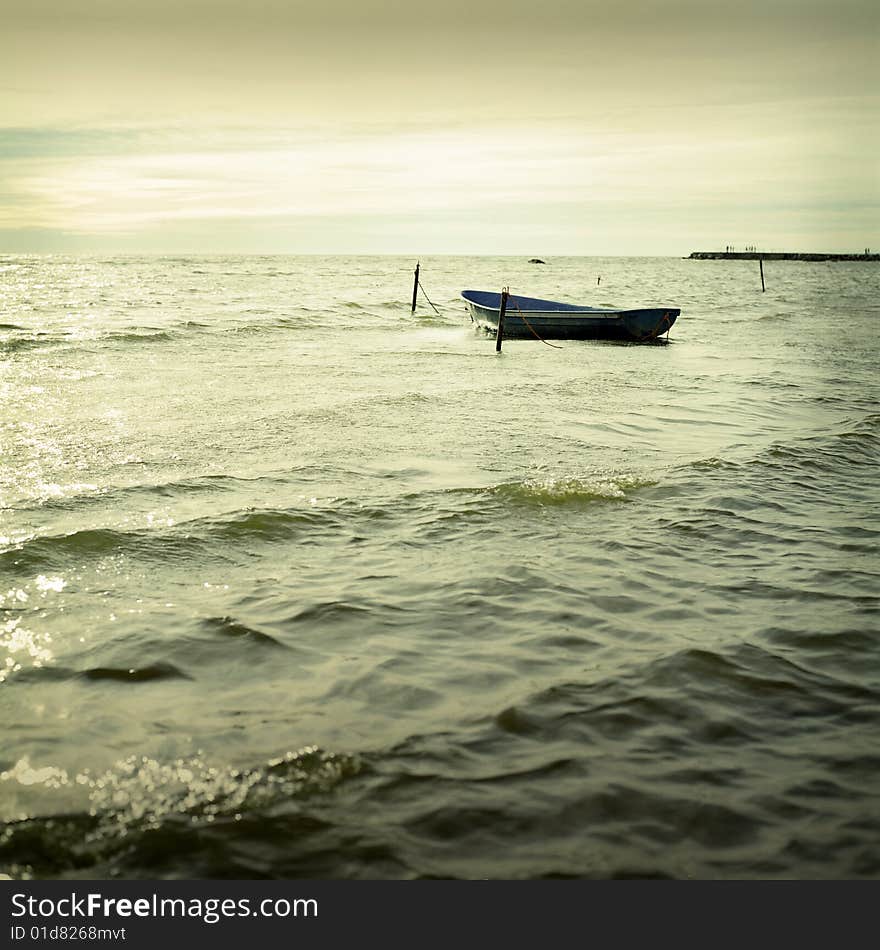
638,127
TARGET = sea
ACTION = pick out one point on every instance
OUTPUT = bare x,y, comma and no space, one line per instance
296,583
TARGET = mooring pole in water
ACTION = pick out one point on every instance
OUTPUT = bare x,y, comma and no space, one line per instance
415,287
498,336
598,280
761,265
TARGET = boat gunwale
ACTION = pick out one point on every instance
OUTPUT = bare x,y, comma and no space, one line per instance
570,310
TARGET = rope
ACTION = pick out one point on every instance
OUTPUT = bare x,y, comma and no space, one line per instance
526,322
653,334
428,298
657,330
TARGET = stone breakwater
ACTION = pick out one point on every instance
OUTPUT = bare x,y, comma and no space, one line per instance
777,256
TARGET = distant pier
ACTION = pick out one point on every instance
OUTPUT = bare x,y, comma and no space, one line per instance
777,256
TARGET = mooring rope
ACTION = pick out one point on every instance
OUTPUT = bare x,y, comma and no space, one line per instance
428,299
526,322
657,331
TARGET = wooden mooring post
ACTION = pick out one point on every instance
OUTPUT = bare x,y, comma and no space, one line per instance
500,334
415,287
761,265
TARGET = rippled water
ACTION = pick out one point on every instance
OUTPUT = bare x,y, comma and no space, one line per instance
294,584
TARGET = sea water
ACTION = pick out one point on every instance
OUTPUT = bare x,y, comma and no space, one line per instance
294,583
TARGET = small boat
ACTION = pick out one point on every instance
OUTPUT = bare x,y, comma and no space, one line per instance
550,320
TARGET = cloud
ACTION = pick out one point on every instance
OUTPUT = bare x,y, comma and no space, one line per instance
137,118
574,184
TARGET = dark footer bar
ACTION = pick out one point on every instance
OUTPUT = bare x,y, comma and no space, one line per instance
168,914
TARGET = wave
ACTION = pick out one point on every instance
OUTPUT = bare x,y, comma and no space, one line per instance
41,340
232,629
741,696
329,613
18,344
140,335
200,645
267,524
569,491
195,539
50,551
85,495
248,322
216,536
142,811
704,761
855,444
141,674
22,339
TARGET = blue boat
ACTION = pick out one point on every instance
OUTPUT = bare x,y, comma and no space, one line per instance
550,320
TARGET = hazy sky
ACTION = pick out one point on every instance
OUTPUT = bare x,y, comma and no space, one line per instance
461,126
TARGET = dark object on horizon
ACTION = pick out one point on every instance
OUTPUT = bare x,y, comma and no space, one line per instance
548,319
536,260
778,256
761,265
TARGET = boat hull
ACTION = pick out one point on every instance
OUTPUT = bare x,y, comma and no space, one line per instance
528,317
